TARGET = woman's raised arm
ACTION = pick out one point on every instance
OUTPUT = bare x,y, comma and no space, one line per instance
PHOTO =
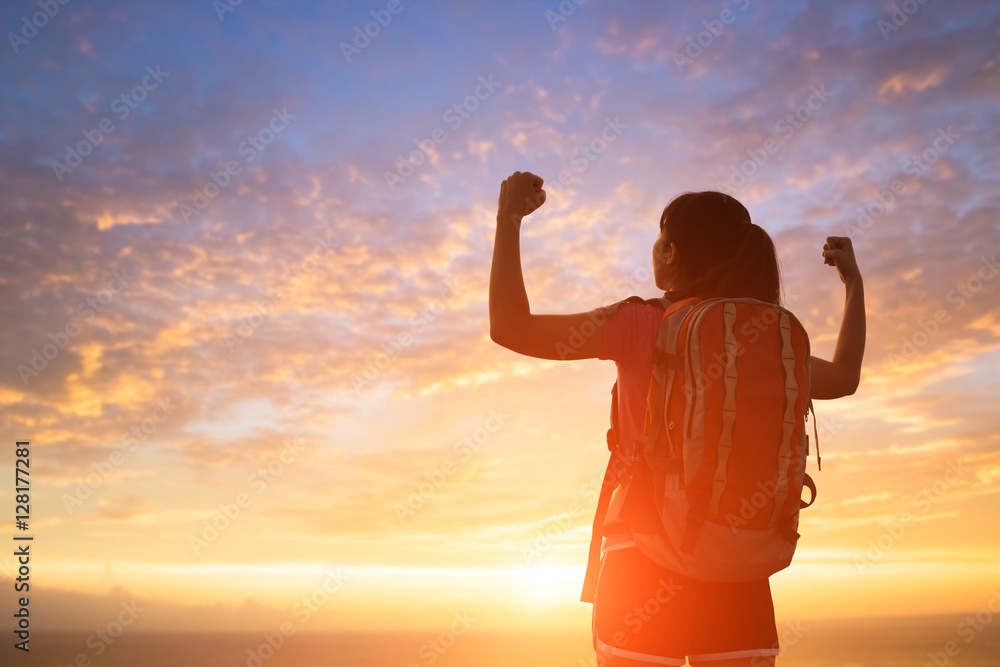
577,336
842,376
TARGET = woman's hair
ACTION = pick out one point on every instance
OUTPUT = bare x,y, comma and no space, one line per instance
720,256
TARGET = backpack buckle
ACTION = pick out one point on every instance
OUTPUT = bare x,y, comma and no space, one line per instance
638,447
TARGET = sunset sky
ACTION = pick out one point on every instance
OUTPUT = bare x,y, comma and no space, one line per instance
226,291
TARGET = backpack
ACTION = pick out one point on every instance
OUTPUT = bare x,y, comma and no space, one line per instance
715,485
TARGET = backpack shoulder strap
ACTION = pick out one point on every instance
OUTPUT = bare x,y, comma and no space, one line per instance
662,301
667,299
613,431
613,307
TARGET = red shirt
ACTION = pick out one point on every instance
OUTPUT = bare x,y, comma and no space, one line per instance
629,339
630,332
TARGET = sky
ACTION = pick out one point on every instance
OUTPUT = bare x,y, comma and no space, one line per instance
245,256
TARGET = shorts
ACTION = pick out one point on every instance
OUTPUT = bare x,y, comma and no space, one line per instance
647,613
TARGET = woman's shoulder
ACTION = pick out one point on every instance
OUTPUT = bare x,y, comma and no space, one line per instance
636,304
630,329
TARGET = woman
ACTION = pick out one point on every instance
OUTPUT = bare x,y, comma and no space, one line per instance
707,247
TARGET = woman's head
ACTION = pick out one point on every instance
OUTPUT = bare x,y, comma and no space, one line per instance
708,247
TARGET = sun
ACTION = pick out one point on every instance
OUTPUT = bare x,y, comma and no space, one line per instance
549,585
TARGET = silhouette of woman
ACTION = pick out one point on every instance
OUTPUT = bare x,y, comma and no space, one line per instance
707,247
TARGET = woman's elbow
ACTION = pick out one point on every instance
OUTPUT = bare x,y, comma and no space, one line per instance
499,335
506,331
495,335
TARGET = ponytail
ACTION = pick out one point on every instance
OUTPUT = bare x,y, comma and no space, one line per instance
722,253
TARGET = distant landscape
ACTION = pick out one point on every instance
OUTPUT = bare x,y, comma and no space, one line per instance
882,642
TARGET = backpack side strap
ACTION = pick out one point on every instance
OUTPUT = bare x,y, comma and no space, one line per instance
819,461
597,534
808,482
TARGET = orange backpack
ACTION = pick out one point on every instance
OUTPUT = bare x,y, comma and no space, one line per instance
716,487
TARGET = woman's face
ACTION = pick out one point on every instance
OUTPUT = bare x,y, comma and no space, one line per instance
664,261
